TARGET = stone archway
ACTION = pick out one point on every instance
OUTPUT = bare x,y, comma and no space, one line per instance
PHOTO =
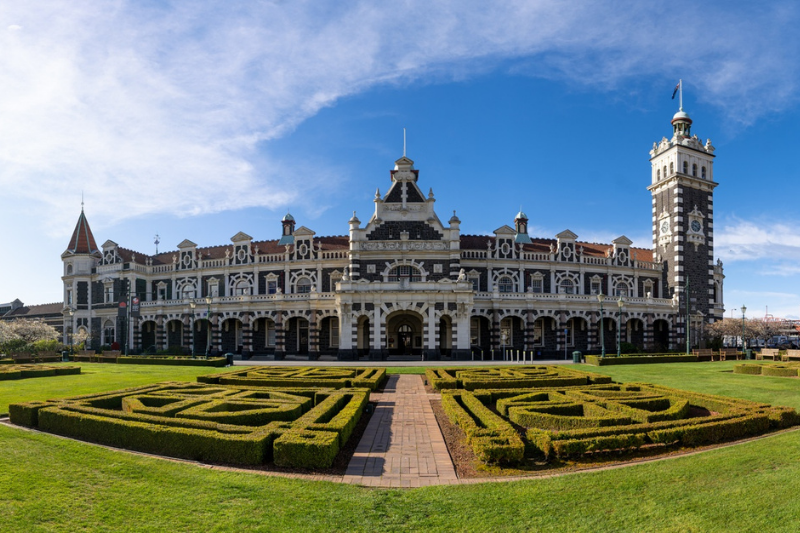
404,333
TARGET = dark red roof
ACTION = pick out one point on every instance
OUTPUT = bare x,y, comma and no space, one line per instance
82,241
478,242
33,311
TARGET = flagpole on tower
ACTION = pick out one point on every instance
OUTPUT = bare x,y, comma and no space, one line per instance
404,142
680,90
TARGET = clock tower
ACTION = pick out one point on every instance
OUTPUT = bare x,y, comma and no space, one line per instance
682,186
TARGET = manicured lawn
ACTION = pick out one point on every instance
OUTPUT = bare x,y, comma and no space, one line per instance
95,377
53,484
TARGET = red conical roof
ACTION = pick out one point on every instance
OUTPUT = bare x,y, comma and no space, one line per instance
82,241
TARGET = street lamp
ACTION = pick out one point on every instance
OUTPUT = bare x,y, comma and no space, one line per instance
620,303
600,298
208,322
192,305
744,310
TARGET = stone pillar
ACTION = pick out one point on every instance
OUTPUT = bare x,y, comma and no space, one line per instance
280,337
313,335
161,334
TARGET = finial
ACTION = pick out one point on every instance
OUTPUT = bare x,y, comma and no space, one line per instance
156,241
377,192
81,201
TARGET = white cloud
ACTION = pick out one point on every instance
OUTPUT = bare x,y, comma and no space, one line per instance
161,107
775,244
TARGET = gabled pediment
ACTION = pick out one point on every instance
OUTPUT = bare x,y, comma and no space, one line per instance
566,235
241,237
505,230
186,244
622,241
303,231
109,244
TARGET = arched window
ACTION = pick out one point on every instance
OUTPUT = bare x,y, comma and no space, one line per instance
685,167
658,174
566,287
108,332
505,284
303,286
665,171
69,270
694,169
188,292
404,272
242,288
621,289
671,168
704,172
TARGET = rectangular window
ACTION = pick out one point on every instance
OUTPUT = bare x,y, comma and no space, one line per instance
570,335
270,334
213,290
596,287
69,297
109,294
476,284
537,285
272,287
506,333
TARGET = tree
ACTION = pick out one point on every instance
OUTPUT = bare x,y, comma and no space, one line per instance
19,335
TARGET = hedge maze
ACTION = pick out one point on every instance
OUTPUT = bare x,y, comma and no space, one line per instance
782,370
507,425
8,372
280,376
295,427
510,378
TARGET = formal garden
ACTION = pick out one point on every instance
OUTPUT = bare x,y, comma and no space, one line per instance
296,416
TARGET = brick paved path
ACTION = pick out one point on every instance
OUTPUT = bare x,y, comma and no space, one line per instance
402,445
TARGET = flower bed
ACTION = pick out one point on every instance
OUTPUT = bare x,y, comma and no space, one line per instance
504,425
296,427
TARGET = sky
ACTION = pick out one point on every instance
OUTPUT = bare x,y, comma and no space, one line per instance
197,120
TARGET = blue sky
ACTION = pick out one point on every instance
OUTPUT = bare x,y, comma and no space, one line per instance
201,119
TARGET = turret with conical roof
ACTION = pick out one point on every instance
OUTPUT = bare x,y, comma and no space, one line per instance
82,241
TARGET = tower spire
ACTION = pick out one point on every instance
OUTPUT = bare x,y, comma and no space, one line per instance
82,241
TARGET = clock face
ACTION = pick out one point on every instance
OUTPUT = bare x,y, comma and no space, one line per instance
695,225
664,227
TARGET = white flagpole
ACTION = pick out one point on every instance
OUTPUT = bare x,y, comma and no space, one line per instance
680,90
404,142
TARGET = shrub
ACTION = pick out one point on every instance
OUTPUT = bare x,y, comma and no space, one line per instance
779,370
746,368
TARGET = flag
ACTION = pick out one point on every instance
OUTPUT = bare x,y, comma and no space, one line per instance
676,90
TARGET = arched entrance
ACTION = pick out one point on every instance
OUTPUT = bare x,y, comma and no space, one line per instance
148,329
232,336
363,337
445,336
635,332
404,333
175,336
661,335
297,336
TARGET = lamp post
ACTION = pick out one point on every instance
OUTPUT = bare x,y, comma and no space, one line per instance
620,303
600,298
192,305
744,310
208,321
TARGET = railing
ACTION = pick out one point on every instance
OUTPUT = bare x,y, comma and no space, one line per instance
271,258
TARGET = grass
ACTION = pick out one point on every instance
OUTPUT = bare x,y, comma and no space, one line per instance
54,484
95,377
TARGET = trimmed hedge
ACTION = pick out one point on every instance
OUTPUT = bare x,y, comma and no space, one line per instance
493,440
9,372
747,368
569,421
476,378
596,360
176,361
214,423
779,370
281,376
